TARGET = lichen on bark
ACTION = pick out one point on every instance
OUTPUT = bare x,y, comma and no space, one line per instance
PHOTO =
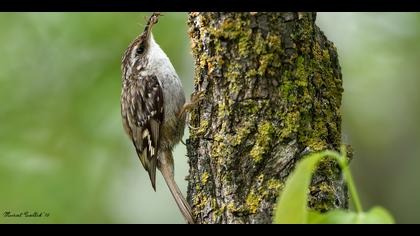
273,90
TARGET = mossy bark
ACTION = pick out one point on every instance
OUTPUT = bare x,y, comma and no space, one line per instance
273,89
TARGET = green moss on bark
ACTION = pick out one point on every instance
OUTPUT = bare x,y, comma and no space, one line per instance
262,141
273,93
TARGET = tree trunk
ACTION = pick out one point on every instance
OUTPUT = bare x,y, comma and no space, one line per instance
273,90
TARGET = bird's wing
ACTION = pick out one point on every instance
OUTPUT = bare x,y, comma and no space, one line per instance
144,115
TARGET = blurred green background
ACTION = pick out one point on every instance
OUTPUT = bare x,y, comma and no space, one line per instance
63,149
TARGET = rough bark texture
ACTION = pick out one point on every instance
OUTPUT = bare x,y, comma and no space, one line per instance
273,91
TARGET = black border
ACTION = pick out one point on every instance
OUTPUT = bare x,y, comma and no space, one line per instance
207,5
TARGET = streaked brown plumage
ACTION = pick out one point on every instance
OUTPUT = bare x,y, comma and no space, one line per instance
152,99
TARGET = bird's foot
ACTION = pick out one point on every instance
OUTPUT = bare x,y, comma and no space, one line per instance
188,106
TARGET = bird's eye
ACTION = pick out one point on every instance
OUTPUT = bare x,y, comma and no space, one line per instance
140,49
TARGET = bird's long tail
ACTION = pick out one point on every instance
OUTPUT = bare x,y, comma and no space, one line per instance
166,167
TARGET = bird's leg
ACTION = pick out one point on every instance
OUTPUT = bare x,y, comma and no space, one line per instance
188,106
189,126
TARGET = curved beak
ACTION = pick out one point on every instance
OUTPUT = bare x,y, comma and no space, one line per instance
152,21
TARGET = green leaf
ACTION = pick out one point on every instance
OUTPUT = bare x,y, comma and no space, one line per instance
314,217
376,215
333,217
292,203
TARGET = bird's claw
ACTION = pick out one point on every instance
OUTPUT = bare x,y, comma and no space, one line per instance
195,98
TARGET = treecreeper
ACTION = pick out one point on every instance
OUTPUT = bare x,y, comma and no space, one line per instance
153,109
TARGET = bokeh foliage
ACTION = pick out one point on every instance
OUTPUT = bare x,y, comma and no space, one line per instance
63,149
380,57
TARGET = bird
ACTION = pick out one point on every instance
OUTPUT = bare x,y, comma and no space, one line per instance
153,109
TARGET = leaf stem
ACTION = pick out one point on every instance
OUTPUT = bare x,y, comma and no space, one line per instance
342,161
352,188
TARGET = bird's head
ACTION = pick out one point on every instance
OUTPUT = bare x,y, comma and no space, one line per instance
136,53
